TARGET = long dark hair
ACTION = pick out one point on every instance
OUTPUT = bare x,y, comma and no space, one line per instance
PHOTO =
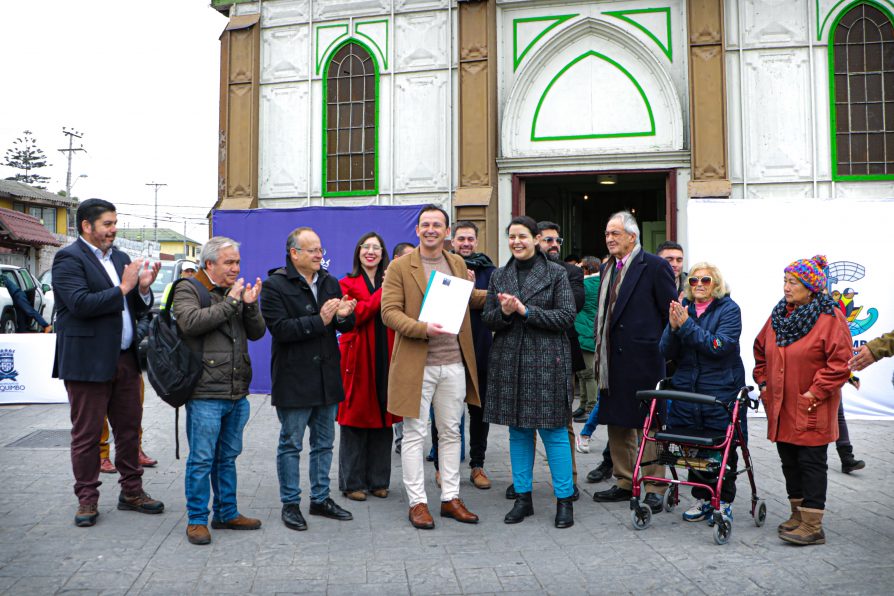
383,264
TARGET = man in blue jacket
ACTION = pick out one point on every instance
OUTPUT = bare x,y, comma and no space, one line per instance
25,313
99,292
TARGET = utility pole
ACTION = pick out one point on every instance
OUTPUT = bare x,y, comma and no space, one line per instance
156,185
72,134
185,254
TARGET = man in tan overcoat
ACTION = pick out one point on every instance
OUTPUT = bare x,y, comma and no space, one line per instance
430,367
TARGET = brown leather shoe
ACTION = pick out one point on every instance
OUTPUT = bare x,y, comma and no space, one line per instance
381,493
355,495
141,502
420,517
146,461
456,509
86,515
480,479
240,522
198,534
106,466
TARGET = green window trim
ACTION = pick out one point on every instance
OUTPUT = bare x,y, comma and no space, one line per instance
324,94
321,57
623,15
820,28
833,118
373,41
648,133
516,57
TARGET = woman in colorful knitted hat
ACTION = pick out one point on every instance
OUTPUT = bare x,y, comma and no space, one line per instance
801,361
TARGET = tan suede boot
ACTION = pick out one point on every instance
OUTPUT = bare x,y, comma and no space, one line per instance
810,531
792,522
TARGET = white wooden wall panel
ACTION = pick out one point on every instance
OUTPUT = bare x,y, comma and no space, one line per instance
334,9
284,54
823,126
420,40
731,23
864,190
284,12
421,143
247,8
778,114
407,5
734,97
774,22
800,190
283,150
440,199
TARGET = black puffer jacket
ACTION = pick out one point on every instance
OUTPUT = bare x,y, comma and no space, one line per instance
220,333
305,366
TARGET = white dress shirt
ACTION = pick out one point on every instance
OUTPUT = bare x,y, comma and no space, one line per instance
107,264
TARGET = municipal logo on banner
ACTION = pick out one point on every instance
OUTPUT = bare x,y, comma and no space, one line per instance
845,273
8,365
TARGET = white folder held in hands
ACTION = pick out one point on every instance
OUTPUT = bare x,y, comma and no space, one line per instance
445,301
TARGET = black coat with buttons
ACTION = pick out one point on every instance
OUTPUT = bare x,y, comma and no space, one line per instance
305,359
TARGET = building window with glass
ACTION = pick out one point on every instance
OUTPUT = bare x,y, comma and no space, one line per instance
349,120
861,55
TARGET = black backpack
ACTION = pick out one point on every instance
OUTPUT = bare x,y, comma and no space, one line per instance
174,369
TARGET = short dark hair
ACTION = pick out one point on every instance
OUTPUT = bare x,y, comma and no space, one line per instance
590,264
433,207
292,240
543,226
464,223
383,264
572,258
91,210
399,248
524,220
668,245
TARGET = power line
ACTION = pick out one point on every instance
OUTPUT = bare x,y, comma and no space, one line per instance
156,185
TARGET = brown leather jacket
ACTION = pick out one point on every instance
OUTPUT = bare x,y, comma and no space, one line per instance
220,333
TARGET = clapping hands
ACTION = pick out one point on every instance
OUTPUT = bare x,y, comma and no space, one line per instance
677,315
510,304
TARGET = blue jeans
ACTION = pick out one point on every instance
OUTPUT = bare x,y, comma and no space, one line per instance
214,432
558,454
590,426
321,420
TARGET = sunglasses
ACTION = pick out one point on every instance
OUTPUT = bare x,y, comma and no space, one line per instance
706,280
552,239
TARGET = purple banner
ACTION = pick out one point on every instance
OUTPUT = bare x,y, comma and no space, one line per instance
262,234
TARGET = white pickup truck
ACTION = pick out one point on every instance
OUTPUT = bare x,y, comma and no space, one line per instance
34,291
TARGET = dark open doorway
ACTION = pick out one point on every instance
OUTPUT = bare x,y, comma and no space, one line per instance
582,202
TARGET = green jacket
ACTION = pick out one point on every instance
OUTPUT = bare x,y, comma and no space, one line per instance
882,347
584,322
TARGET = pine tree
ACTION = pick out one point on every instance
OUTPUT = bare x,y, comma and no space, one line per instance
26,155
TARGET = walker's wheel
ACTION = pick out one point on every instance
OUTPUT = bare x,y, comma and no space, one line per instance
760,513
722,530
671,498
641,517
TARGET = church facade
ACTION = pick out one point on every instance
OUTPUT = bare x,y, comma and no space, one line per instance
561,110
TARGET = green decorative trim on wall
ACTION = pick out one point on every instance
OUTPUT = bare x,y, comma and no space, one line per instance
646,133
373,41
820,28
833,118
624,15
350,193
321,55
557,20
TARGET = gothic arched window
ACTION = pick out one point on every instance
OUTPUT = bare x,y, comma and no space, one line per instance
862,91
349,120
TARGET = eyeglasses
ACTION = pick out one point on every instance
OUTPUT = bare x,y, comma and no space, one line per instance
313,251
372,247
705,281
553,240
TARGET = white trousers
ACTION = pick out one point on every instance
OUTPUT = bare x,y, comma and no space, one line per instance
444,390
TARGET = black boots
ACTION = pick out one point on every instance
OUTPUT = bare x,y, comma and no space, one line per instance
523,508
848,463
564,512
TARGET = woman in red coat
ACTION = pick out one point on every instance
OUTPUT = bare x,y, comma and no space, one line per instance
364,458
801,357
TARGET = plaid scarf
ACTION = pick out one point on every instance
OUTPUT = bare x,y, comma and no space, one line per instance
793,327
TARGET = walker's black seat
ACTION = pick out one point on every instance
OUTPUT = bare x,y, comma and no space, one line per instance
695,398
707,437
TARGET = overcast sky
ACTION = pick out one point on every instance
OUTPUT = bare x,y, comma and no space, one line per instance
139,79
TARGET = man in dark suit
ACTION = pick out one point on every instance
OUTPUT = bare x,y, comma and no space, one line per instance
99,292
634,302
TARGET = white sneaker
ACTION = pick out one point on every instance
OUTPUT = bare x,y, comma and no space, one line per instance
701,511
582,444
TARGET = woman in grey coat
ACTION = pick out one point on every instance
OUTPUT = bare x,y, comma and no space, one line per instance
529,306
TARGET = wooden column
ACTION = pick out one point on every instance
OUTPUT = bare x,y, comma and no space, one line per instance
476,195
707,100
240,49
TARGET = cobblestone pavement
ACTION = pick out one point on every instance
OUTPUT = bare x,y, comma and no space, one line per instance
42,552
